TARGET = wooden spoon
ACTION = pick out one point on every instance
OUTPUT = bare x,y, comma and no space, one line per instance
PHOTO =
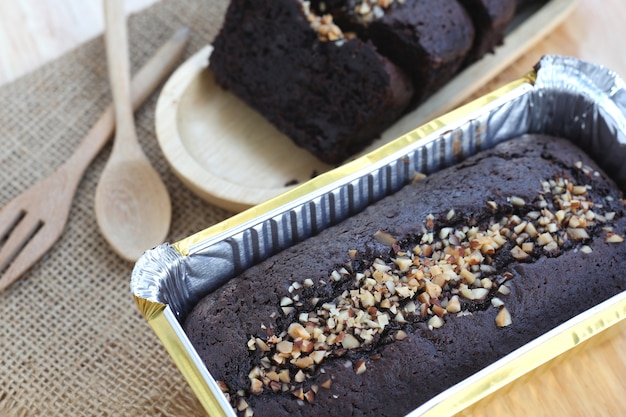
132,205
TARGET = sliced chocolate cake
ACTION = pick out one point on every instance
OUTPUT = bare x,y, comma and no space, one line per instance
429,39
328,93
490,18
333,74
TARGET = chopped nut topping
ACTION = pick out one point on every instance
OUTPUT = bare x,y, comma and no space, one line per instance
504,290
517,201
326,384
435,322
326,29
385,238
614,238
369,10
519,254
496,302
401,335
241,404
365,11
223,386
309,396
503,318
418,176
359,367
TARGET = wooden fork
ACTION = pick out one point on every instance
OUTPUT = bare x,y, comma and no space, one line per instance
32,222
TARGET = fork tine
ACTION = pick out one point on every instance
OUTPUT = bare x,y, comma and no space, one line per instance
29,255
17,241
17,238
9,216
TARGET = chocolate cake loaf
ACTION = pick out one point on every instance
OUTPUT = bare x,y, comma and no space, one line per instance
329,97
376,315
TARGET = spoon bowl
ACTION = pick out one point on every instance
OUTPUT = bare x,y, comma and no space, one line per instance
132,205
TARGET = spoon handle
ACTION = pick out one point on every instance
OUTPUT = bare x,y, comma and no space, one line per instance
143,85
116,40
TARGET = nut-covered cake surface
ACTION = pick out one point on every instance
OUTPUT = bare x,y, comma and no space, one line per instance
380,313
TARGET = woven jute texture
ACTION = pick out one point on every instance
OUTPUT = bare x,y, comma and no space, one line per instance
72,341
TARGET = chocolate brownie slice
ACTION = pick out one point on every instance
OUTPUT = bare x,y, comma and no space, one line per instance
329,94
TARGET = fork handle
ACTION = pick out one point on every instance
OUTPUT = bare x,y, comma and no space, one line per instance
143,84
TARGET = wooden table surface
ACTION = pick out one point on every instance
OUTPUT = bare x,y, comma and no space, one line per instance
589,382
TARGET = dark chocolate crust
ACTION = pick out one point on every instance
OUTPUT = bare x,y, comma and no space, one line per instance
490,18
429,39
545,290
328,97
519,4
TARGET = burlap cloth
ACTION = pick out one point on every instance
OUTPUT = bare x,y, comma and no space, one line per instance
72,341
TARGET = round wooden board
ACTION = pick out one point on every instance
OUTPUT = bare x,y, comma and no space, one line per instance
224,151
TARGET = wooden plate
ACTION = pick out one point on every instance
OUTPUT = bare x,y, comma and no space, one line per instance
229,155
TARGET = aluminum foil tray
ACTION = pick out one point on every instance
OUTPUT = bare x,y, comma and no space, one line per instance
561,96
